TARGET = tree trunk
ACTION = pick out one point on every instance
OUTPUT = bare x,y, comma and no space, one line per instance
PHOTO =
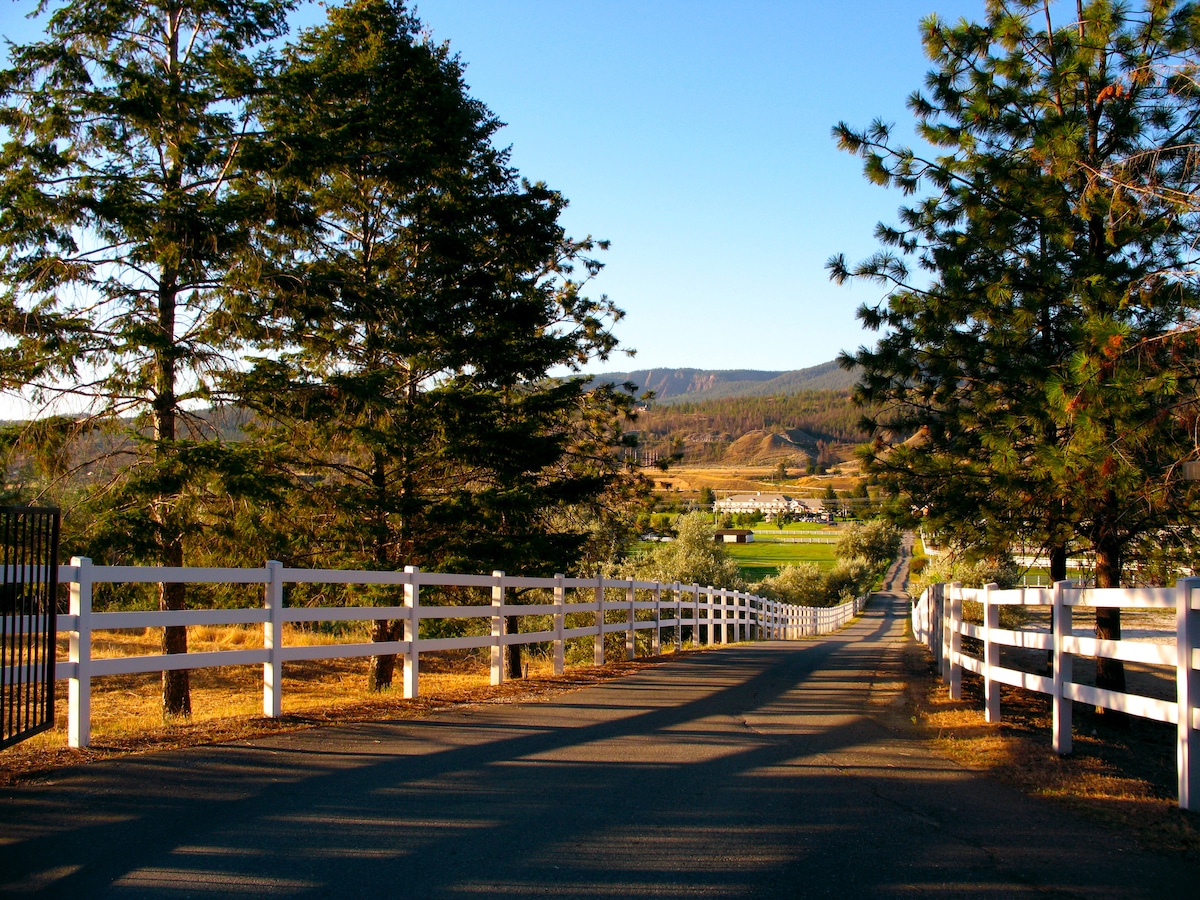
176,683
381,669
1058,564
1058,572
512,625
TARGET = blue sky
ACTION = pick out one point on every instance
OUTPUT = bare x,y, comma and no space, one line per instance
695,136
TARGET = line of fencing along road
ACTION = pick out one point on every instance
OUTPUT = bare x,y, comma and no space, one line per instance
577,608
938,621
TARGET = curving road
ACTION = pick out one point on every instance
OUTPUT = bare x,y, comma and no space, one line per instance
754,770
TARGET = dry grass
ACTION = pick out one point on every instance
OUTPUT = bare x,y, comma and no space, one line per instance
1122,775
723,479
227,701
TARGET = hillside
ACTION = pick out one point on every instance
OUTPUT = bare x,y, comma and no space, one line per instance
680,385
795,429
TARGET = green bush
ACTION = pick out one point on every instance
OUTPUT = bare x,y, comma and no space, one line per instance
877,541
806,585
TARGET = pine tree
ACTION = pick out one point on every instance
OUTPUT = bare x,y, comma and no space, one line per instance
1028,386
120,243
428,293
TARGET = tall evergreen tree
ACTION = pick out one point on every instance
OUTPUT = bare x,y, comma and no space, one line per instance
428,294
120,241
1028,383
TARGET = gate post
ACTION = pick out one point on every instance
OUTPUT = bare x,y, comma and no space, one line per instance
79,652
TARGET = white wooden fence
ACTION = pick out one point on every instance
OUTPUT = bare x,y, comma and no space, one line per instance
937,621
714,615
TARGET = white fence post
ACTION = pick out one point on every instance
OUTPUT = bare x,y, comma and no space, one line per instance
678,617
1062,665
273,641
991,655
937,618
1187,681
630,634
656,648
695,589
79,688
412,630
946,629
560,615
498,628
954,623
598,643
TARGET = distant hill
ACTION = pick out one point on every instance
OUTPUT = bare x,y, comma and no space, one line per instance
689,385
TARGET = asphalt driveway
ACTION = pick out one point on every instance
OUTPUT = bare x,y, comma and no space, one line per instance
753,770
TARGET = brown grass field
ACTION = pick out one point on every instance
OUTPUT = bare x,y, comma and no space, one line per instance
690,480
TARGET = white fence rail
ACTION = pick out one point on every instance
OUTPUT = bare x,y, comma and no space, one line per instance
937,621
608,606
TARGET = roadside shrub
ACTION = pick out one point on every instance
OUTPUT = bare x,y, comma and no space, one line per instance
1003,572
806,585
802,584
972,573
877,541
848,579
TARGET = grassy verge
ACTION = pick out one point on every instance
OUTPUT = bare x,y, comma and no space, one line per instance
1123,777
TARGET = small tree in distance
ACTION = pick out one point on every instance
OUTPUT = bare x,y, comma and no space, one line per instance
694,557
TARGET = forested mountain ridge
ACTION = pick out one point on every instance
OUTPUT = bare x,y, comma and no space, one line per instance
671,386
818,426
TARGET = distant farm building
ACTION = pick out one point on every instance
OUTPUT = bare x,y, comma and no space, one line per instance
733,535
772,505
768,504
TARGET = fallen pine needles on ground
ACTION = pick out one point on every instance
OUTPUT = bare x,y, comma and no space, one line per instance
124,727
1122,775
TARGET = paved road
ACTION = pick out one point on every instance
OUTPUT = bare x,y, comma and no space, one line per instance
755,770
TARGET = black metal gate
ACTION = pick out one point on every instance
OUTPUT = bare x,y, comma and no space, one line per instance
28,595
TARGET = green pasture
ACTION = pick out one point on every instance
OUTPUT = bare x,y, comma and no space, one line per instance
794,528
761,558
